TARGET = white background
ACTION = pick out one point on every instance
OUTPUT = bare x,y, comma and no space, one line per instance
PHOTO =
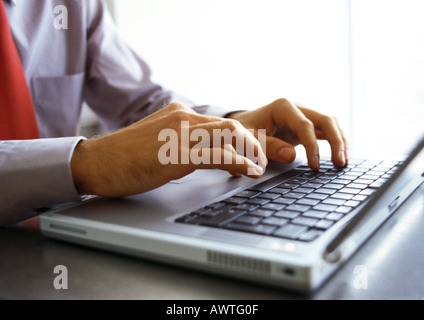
360,60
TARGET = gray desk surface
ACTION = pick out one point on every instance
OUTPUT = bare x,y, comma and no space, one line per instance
392,261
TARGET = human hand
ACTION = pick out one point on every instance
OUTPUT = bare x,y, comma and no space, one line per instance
288,125
127,162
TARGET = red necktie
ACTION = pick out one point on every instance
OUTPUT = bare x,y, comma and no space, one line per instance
17,116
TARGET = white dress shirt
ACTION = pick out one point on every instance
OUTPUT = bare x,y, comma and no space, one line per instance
88,62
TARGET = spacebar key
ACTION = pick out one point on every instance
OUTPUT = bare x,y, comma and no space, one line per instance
223,218
273,182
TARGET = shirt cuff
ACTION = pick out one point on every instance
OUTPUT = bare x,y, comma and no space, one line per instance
35,174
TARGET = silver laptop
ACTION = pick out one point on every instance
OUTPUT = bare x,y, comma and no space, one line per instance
291,229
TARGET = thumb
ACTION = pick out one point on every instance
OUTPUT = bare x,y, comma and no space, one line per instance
279,150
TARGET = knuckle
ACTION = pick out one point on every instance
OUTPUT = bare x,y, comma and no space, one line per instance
175,106
306,123
282,101
282,104
180,115
232,124
330,120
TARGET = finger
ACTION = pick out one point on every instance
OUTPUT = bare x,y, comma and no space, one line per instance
279,150
286,113
330,131
229,160
217,134
235,174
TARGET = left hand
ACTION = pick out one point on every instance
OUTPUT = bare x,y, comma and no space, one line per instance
288,125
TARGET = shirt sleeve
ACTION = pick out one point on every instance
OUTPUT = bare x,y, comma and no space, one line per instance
118,85
35,174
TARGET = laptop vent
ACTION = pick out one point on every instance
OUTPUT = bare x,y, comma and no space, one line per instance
240,263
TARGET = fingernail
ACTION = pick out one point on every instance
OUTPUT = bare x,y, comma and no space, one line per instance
263,161
255,171
286,154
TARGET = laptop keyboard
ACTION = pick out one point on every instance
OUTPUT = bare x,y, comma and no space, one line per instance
298,205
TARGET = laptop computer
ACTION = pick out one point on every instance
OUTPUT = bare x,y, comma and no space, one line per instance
291,229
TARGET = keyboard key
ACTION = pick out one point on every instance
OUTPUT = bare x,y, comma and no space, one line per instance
326,191
315,214
356,161
247,206
364,181
223,218
371,162
309,235
305,221
268,195
303,190
336,186
290,231
360,170
279,191
258,201
294,195
359,198
247,219
298,207
308,202
299,180
376,184
186,218
327,176
335,202
286,214
284,200
262,213
312,185
367,192
259,228
317,196
351,174
344,196
342,181
324,224
288,185
350,191
320,180
325,207
235,200
376,172
343,209
352,203
334,216
216,205
201,211
273,206
248,194
357,185
274,182
275,221
212,213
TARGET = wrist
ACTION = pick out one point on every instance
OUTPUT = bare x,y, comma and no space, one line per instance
81,168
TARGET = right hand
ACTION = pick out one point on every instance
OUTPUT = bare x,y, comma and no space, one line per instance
126,162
